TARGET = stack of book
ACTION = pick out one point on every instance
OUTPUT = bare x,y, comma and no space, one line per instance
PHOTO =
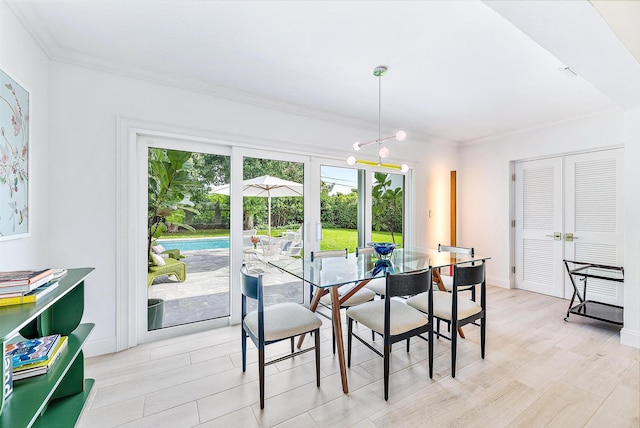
25,286
7,377
33,357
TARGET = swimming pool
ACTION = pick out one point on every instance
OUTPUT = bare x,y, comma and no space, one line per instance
195,244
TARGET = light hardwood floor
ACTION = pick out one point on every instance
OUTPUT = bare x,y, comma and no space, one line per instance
538,371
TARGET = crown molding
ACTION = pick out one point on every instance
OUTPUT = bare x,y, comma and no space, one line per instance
38,30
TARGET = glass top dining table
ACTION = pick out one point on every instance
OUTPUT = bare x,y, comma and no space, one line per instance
336,271
327,274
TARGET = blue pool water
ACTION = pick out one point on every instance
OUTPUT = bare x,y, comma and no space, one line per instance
194,244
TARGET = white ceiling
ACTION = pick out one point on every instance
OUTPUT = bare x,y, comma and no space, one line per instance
458,70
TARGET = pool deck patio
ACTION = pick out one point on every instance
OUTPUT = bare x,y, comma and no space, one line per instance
205,293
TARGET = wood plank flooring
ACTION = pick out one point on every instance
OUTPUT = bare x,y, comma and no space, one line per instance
538,371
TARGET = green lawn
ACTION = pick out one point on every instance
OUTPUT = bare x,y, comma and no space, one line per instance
332,239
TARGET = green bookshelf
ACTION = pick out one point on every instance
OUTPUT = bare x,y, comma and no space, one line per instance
55,399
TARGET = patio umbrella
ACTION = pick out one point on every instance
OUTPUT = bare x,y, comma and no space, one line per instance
265,186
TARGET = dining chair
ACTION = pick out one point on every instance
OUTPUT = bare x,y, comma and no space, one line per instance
393,319
447,280
274,323
360,296
457,310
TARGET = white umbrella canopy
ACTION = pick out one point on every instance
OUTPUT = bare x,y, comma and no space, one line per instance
265,186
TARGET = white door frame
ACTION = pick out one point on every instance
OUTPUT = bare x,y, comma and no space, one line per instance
566,247
131,176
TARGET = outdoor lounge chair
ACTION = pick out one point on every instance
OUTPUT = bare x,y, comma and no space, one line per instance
171,267
173,253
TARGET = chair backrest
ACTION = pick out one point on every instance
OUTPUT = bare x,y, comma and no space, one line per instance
271,247
408,284
364,250
329,253
251,287
293,250
452,249
294,236
468,275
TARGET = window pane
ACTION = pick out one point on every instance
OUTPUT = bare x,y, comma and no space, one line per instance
273,215
339,208
387,207
188,237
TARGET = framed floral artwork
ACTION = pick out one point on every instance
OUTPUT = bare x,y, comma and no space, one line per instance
14,159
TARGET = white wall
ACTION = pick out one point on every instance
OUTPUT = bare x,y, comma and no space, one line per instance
24,61
431,193
84,110
630,334
484,179
484,186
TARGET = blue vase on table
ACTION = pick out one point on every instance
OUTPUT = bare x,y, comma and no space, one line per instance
383,251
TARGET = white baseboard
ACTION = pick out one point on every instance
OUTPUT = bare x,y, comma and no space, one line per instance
630,337
498,281
99,347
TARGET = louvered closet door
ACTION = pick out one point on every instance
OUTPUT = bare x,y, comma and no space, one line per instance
593,214
538,209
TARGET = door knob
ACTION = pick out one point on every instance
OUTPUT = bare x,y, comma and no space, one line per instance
557,236
568,237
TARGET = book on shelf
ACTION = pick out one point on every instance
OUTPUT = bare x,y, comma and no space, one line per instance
23,277
42,367
58,273
23,281
7,377
31,297
31,350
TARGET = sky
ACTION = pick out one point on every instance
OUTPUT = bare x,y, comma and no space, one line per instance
344,179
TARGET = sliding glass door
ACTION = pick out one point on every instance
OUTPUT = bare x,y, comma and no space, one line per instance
208,208
273,219
187,236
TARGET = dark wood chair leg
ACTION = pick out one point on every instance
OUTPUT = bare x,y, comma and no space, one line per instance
317,337
387,352
431,353
349,331
244,350
261,375
333,339
454,343
483,331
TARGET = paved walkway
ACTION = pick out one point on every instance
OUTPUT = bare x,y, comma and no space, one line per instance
205,293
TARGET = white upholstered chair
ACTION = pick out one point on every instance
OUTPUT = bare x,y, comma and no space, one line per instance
393,319
271,324
457,310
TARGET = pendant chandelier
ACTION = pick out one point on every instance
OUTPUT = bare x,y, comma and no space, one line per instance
383,151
